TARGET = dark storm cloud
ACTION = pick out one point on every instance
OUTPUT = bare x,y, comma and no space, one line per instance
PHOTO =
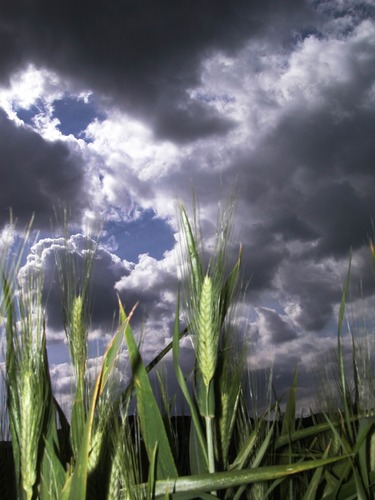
298,136
277,328
290,227
357,10
312,178
315,186
315,288
362,274
311,184
190,122
261,261
343,218
143,54
36,175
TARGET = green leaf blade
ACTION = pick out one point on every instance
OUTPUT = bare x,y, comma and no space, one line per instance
152,425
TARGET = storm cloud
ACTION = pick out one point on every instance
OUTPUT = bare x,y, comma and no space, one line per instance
119,110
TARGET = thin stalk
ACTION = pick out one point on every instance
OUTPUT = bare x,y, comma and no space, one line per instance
210,445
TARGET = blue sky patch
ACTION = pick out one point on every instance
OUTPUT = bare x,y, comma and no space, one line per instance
145,235
75,115
27,115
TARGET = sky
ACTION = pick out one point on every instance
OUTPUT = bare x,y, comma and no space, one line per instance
120,110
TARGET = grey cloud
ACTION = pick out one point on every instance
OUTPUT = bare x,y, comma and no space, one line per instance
316,289
290,227
322,144
312,179
305,191
145,55
355,10
191,122
315,312
362,274
278,329
342,216
36,174
261,261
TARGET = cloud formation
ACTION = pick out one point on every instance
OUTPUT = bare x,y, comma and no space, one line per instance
36,173
143,57
275,102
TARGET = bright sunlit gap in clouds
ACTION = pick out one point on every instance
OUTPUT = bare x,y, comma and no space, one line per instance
121,115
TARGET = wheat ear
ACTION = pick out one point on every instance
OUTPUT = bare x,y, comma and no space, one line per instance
206,352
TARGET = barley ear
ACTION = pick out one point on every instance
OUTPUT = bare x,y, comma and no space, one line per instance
78,348
78,336
207,344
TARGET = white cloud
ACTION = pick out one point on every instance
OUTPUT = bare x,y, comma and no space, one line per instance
262,83
27,87
147,273
7,238
123,140
153,283
134,165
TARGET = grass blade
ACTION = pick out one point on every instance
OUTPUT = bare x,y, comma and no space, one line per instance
152,425
224,480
